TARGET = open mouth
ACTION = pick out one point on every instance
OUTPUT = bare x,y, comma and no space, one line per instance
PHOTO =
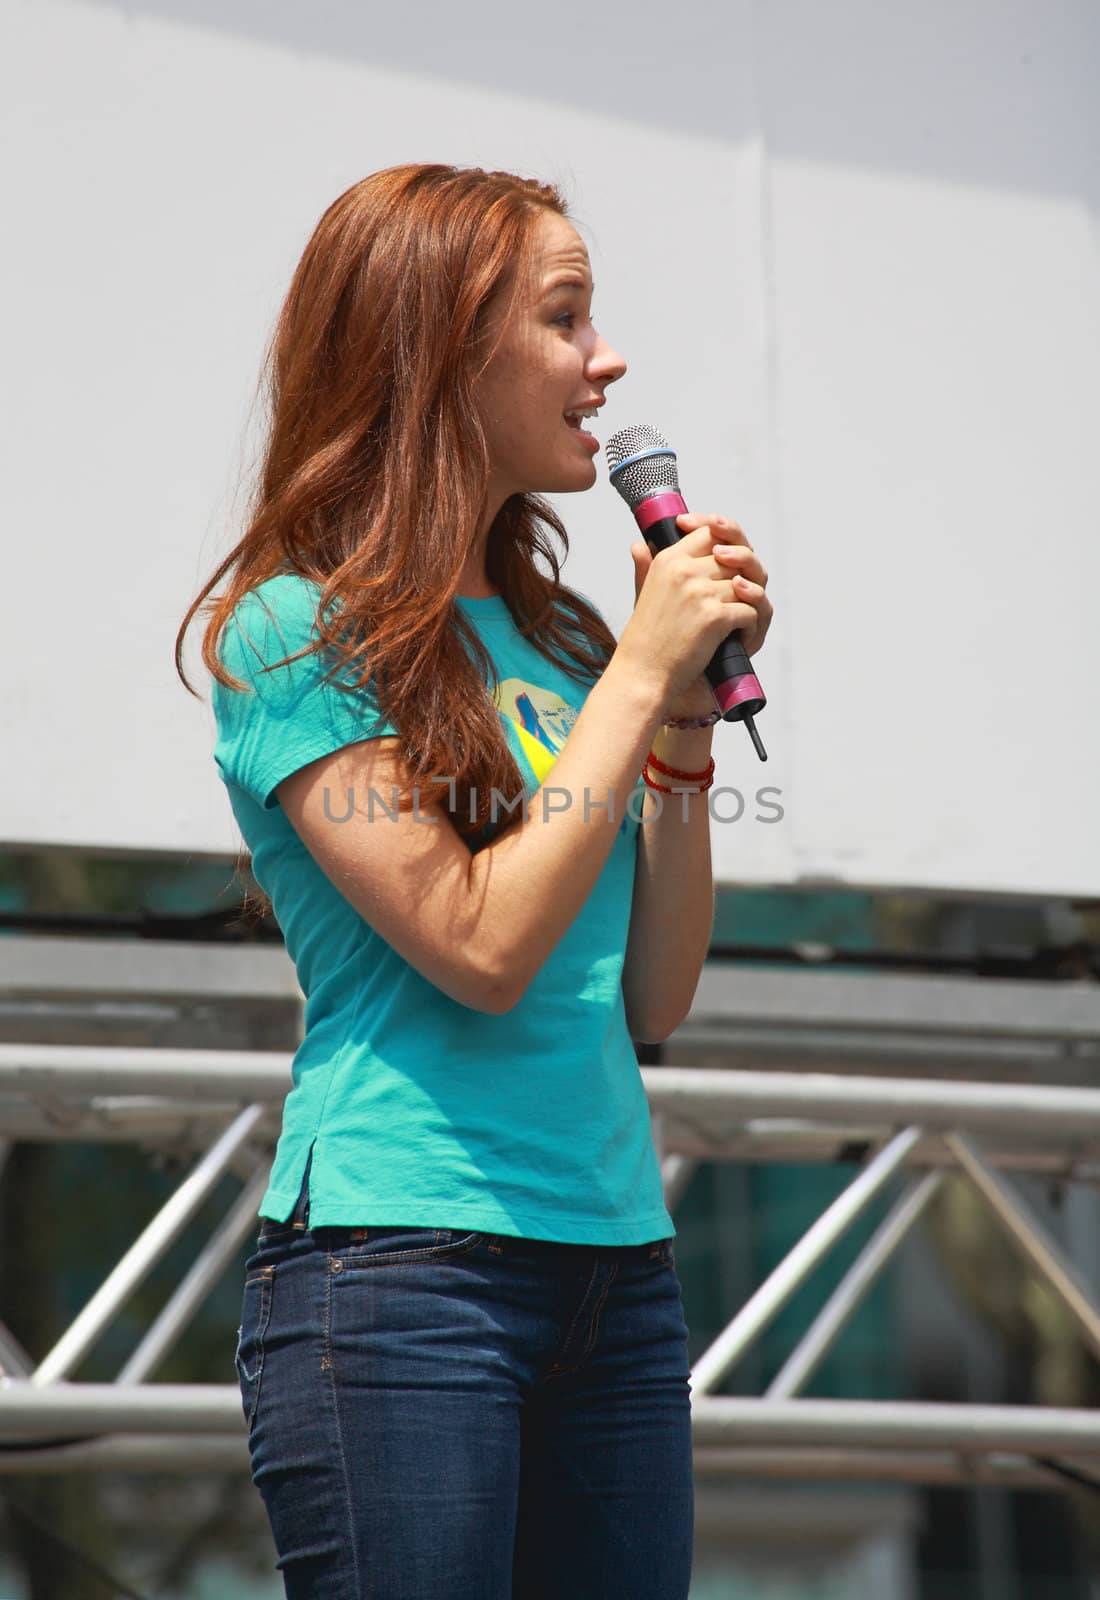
577,419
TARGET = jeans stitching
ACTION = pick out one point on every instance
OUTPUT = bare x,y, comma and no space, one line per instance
596,1314
593,1327
327,1365
283,1233
560,1366
432,1252
265,1278
580,1307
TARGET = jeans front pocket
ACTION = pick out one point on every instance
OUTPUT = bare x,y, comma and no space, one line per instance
249,1357
353,1248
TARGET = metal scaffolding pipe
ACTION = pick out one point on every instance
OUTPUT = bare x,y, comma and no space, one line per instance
786,1140
892,1425
126,1452
900,1005
205,1271
202,1453
187,1126
57,1410
676,1173
29,1412
777,1289
876,1466
722,1100
842,1304
1031,1238
226,1075
146,1250
182,1099
14,1360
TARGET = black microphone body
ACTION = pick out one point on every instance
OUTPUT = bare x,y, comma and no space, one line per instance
643,470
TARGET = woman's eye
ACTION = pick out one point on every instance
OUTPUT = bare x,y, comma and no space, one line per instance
566,320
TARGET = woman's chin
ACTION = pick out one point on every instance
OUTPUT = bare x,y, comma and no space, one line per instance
578,476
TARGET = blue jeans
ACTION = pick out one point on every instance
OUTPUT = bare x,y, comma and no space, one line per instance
435,1414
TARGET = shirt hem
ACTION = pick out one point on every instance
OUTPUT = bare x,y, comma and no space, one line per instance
555,1227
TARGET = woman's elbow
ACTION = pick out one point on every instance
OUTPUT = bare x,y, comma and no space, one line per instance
502,988
645,1030
499,997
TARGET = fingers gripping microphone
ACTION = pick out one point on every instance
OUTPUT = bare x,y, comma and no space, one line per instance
643,469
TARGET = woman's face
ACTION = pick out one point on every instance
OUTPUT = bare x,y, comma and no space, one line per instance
550,363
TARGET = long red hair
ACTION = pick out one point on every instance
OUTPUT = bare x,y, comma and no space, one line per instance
375,468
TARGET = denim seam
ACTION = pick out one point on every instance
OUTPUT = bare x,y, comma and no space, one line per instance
596,1314
593,1328
361,1260
327,1364
556,1366
576,1319
264,1277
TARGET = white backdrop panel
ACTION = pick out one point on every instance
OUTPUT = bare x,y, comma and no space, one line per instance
852,261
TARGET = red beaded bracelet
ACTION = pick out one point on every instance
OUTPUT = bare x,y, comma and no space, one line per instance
674,772
678,772
666,789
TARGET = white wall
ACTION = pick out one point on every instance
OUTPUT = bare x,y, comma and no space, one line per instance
850,251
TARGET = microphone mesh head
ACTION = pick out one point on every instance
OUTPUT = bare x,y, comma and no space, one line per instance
652,474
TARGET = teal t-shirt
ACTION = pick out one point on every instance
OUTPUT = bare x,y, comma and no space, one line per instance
421,1111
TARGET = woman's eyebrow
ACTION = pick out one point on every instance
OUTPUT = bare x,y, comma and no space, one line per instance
573,281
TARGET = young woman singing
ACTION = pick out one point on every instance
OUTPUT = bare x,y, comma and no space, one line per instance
462,1355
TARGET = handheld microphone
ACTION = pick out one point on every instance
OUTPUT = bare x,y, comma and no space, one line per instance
643,470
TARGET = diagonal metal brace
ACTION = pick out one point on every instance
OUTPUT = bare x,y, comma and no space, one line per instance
146,1250
845,1300
1030,1237
797,1265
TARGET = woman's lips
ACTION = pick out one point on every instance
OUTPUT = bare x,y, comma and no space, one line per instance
577,428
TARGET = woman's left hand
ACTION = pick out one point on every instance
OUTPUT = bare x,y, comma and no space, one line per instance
751,613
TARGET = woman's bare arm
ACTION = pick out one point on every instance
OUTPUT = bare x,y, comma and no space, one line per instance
672,911
480,926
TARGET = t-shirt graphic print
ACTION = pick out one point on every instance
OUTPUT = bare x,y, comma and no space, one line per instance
541,719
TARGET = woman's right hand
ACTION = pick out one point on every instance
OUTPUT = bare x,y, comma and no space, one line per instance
685,607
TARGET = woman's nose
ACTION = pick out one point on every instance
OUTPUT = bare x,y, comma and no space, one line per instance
606,363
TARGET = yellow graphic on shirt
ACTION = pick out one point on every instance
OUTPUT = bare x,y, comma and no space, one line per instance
541,719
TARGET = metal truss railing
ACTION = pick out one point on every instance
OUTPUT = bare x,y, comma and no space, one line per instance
223,1107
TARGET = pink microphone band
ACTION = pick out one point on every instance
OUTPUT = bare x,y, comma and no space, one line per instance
734,690
656,507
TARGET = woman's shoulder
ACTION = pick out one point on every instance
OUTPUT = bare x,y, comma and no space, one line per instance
272,620
289,594
283,606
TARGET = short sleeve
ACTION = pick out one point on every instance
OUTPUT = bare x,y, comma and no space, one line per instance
290,716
